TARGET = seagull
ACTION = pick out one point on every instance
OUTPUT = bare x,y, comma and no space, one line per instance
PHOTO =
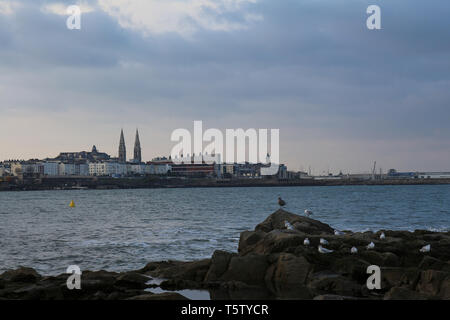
281,202
324,250
382,236
306,242
370,246
426,248
353,250
323,241
288,225
308,212
338,233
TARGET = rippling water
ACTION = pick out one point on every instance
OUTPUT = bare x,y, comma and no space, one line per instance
124,229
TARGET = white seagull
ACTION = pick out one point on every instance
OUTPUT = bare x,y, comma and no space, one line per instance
426,248
306,242
324,250
288,225
353,250
382,236
323,241
338,233
308,212
370,246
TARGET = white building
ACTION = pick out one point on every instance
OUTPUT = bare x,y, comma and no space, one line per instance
136,169
67,169
434,175
107,169
83,169
51,168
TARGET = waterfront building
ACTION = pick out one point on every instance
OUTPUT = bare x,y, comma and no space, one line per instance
51,168
66,169
122,149
107,169
433,175
136,168
194,170
160,169
82,169
283,172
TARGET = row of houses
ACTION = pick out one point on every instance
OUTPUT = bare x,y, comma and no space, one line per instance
105,168
158,166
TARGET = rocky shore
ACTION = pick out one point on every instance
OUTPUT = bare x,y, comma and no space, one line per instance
272,262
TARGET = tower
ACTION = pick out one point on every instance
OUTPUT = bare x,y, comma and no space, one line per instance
137,149
122,149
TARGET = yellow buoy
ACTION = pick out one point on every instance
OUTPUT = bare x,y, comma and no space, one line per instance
72,204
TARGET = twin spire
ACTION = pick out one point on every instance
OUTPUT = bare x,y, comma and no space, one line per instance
123,150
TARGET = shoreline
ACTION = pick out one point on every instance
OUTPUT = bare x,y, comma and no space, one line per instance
272,262
99,183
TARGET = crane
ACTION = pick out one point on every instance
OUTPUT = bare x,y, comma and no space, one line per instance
373,170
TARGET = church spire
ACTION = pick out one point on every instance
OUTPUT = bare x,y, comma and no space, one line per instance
137,149
122,149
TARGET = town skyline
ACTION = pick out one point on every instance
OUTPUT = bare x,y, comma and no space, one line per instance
135,156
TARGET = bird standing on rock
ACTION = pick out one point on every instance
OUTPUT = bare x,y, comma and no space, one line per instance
306,242
324,250
353,250
426,248
382,236
323,241
308,212
371,246
281,202
288,225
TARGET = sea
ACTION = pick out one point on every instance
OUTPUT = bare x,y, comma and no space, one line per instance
119,230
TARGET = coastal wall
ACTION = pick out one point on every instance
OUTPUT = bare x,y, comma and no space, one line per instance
74,182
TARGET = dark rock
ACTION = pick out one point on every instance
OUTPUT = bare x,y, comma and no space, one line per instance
444,292
249,269
22,274
332,283
288,277
275,241
219,264
248,239
159,296
132,280
352,266
333,297
402,293
306,225
194,271
430,263
430,282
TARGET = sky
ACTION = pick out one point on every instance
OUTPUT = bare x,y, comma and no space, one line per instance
343,96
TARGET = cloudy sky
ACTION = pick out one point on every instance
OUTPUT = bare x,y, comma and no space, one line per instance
341,95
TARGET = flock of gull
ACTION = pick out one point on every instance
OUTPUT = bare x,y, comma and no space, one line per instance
324,242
